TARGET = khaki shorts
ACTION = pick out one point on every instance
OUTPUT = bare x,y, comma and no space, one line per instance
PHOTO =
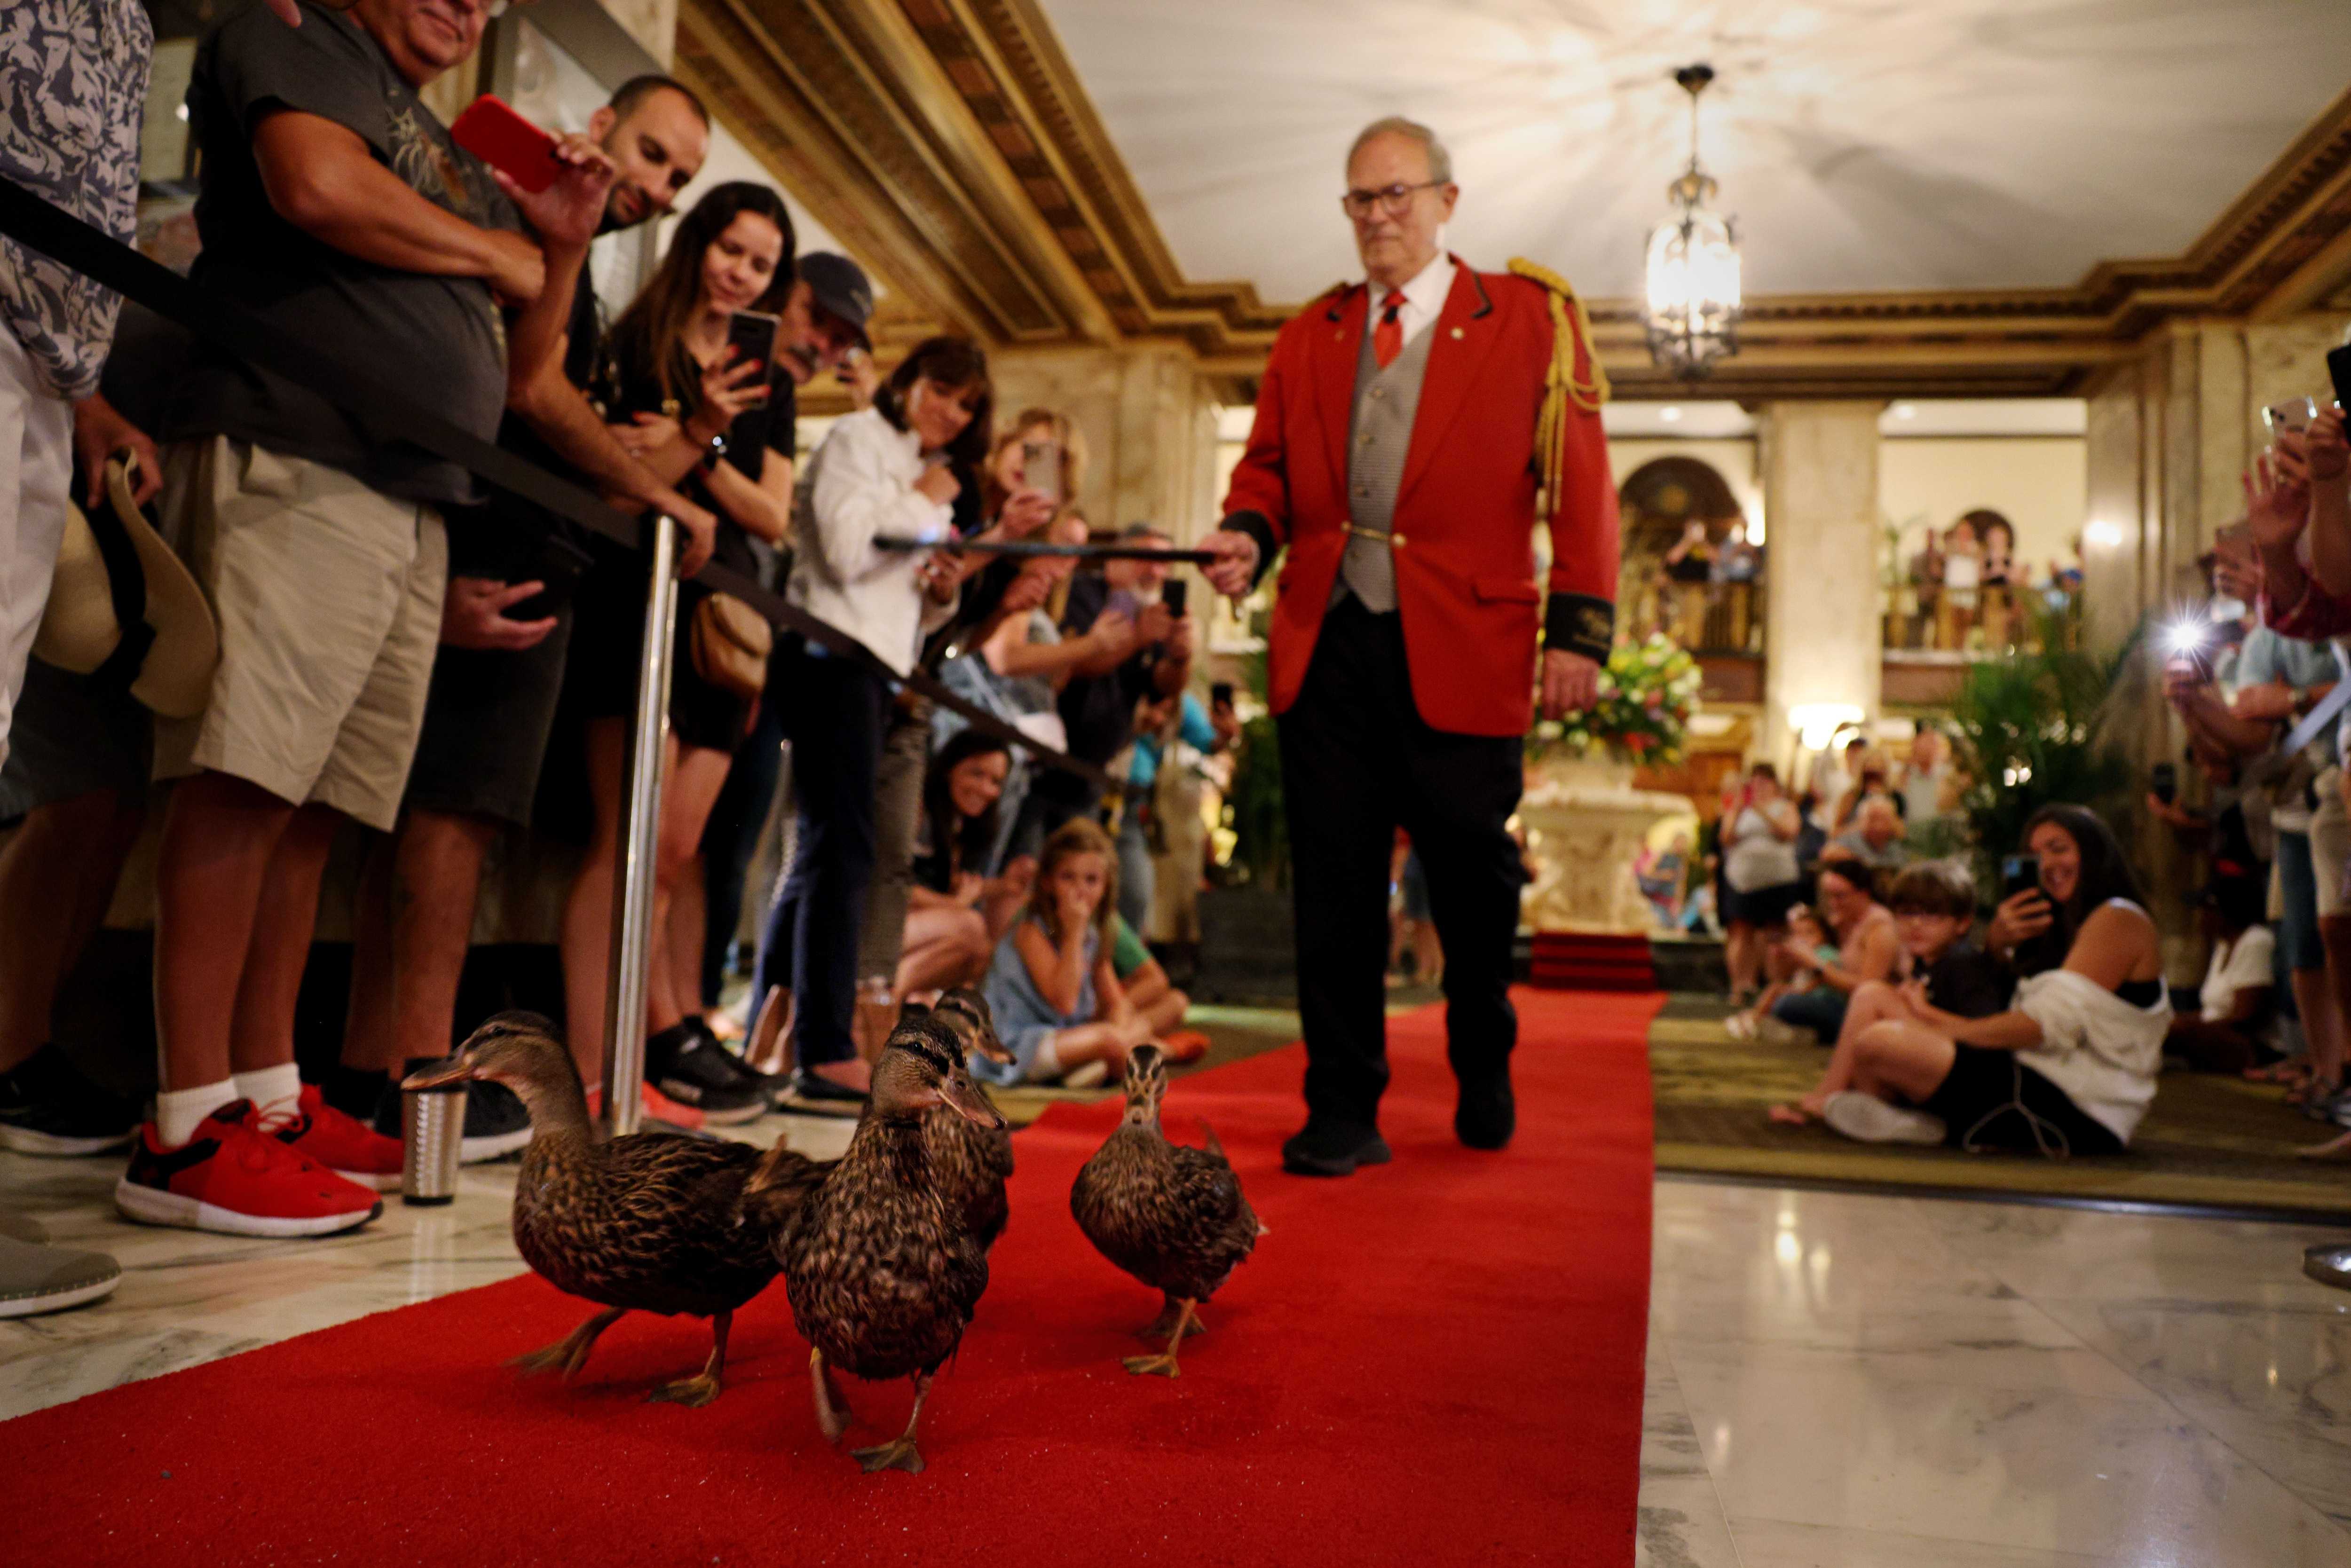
2330,841
328,598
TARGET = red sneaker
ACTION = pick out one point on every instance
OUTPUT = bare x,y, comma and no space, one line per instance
238,1181
658,1107
343,1144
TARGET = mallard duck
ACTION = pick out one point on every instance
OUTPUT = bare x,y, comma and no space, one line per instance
881,1270
1172,1217
971,1162
650,1222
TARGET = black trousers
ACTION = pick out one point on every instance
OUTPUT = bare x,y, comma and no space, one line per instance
1357,762
835,713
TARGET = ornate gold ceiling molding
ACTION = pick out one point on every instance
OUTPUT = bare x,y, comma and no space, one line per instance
952,147
2288,239
841,100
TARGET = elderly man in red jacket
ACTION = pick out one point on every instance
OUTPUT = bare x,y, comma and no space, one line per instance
1411,432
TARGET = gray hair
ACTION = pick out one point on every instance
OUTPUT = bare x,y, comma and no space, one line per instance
1440,162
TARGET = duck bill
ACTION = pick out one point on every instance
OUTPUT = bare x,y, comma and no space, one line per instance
440,1075
964,1097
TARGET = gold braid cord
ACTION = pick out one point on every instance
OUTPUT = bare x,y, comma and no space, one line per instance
1561,388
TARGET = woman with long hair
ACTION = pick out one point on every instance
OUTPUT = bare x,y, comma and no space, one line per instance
956,910
698,416
889,470
2069,1068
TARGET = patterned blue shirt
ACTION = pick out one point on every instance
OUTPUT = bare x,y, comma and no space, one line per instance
73,83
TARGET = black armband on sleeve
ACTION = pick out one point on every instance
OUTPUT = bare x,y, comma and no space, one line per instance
1580,623
1257,526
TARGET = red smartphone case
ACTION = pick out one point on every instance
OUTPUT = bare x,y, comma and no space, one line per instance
494,133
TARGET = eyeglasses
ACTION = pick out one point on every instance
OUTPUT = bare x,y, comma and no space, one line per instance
1392,201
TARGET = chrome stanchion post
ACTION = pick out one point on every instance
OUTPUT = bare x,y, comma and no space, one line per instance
625,994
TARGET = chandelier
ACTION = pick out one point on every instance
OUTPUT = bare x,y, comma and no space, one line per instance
1693,266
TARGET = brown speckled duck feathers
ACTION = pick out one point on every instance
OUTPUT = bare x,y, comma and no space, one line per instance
1171,1215
881,1270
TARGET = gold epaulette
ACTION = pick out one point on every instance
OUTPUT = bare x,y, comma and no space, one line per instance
1563,388
1569,326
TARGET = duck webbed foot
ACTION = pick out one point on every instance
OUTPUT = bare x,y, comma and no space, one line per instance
1162,1325
1163,1364
569,1354
899,1453
833,1413
694,1393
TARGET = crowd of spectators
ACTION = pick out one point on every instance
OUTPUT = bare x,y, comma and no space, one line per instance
401,648
2051,1037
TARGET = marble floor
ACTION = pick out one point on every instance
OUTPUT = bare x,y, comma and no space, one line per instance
1847,1381
1834,1380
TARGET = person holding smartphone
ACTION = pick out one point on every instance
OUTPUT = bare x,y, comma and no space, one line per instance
2069,1068
505,641
1151,658
679,393
889,470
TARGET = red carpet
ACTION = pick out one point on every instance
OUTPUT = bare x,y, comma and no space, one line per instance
1437,1361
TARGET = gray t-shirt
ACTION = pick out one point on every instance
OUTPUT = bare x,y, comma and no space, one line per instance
440,340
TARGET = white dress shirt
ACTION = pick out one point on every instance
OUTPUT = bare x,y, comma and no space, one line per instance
1424,298
860,483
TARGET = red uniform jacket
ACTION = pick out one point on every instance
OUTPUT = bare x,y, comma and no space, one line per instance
1464,514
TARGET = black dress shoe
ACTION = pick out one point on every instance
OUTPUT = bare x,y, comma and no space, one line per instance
1325,1148
1488,1114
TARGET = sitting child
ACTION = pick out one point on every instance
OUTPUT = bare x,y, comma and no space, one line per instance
1934,906
1058,1007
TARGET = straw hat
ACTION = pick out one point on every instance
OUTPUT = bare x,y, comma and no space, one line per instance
114,569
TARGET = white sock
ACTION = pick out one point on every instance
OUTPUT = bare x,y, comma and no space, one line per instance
177,1110
268,1085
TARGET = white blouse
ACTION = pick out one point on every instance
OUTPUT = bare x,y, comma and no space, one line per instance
860,483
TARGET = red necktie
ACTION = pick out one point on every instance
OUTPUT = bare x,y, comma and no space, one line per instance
1387,337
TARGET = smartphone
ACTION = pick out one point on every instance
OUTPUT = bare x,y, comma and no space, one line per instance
1220,694
1041,469
2165,782
504,139
1171,594
751,334
2339,371
2019,874
2292,413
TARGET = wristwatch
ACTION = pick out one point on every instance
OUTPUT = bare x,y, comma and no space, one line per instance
714,452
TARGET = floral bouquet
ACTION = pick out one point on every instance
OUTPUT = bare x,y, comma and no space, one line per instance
1647,692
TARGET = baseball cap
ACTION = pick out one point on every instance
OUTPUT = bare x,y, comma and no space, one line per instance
838,286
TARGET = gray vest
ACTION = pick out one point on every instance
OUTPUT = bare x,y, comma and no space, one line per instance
1377,441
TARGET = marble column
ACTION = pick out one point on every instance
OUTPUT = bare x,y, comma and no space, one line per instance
1822,638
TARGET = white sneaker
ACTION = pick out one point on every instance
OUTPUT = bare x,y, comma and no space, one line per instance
1870,1120
1773,1029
